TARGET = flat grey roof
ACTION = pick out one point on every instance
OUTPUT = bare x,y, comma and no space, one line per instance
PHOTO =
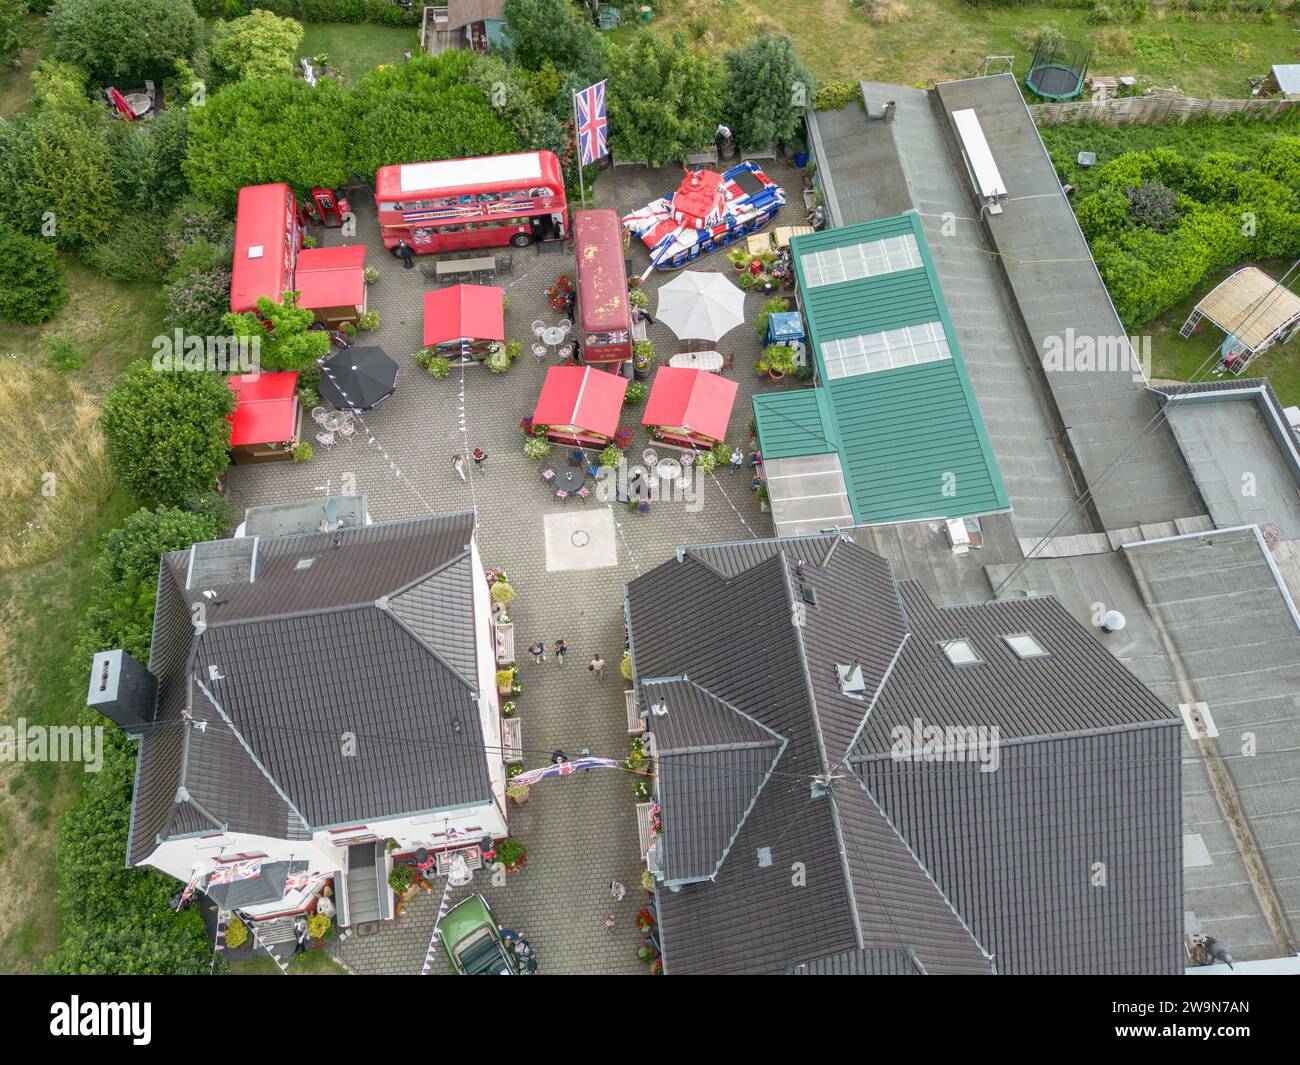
304,515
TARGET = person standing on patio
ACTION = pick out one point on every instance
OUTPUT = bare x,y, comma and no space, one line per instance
299,936
458,464
480,457
561,649
403,251
538,650
597,666
737,459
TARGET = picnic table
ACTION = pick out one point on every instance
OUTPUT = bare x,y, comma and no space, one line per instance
710,361
445,268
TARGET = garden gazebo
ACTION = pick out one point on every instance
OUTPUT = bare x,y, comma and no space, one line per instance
1254,311
464,320
689,408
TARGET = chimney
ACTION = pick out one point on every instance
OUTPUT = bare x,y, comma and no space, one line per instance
123,691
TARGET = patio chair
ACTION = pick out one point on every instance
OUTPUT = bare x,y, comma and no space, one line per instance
325,439
318,414
565,353
728,363
583,493
688,458
347,430
539,327
565,326
650,457
540,351
561,495
548,474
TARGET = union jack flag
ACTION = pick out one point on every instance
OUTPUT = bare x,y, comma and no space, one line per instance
299,881
563,769
592,127
195,877
232,871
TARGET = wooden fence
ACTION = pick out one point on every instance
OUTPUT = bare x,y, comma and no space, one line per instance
1150,110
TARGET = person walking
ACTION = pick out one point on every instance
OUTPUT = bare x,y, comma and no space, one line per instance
538,650
403,251
299,936
561,649
480,457
458,464
597,666
737,459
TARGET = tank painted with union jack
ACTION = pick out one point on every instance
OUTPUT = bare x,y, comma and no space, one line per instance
707,211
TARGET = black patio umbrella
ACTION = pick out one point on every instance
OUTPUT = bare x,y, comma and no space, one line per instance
357,378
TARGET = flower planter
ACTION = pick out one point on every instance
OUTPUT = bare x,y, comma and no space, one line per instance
775,376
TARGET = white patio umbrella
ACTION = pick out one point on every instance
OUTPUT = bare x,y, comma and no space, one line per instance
701,306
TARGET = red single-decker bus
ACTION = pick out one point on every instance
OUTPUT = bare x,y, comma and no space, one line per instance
604,314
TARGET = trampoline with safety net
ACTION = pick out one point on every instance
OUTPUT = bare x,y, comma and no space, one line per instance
1058,69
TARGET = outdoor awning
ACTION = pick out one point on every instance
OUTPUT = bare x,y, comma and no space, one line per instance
581,398
331,277
1252,307
807,494
696,401
268,407
464,312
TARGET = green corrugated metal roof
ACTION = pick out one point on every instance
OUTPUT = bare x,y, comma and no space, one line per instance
792,423
911,440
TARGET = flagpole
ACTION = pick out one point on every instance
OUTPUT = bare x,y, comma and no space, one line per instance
577,147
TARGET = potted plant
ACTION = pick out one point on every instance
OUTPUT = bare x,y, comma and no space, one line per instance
637,298
645,921
302,451
657,967
769,308
236,933
739,259
625,667
511,853
641,789
647,953
643,357
611,457
518,792
537,447
636,393
497,361
371,274
320,927
647,881
368,320
502,592
505,681
509,708
777,362
402,880
622,438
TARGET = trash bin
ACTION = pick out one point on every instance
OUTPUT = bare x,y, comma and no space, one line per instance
647,14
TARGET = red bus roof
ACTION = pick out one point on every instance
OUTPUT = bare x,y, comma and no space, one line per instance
461,312
267,409
263,258
485,173
582,397
695,400
331,277
602,278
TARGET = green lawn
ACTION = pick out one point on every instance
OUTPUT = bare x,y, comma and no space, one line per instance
355,49
1200,54
313,963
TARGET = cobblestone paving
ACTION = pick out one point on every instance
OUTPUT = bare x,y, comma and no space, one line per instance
580,832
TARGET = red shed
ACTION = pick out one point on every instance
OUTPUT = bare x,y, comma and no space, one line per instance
267,239
268,413
464,319
332,282
580,405
690,408
604,315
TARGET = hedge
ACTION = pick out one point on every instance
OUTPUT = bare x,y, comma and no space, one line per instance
381,12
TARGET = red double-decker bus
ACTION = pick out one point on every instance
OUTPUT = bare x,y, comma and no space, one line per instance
604,314
471,203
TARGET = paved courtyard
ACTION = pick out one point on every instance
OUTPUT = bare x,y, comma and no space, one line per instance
580,832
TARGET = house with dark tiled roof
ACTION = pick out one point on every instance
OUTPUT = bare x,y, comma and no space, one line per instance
851,779
309,696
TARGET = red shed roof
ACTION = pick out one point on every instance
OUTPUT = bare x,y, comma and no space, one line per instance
331,277
264,248
267,411
470,312
695,400
582,397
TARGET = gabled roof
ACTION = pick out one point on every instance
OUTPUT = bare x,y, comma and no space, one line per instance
367,632
331,277
459,312
713,761
698,401
909,865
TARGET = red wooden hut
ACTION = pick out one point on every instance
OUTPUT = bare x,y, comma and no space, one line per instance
267,417
580,405
689,408
332,283
464,320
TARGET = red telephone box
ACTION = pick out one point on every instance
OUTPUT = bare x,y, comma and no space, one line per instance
329,207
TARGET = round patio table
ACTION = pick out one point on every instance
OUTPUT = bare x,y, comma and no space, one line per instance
668,469
569,478
335,420
553,336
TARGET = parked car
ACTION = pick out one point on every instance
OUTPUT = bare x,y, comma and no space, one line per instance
472,939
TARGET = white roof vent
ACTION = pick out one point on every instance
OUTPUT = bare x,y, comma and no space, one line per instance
850,680
256,251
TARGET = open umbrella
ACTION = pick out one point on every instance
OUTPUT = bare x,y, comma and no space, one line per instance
700,306
357,378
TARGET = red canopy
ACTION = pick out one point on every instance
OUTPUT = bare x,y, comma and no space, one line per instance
581,398
695,401
331,277
464,312
268,407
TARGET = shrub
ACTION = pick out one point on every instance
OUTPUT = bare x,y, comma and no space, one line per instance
537,447
611,456
368,320
289,343
502,592
1153,205
302,451
665,101
258,45
400,878
62,354
834,95
497,361
123,42
31,279
167,432
636,393
236,933
320,926
198,305
132,251
510,852
765,93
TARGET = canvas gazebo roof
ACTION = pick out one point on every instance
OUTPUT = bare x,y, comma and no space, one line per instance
464,312
696,401
268,407
581,398
1251,307
331,277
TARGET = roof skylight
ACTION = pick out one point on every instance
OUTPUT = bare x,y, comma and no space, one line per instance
961,653
1025,645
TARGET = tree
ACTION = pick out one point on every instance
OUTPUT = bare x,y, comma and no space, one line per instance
767,90
285,340
167,431
147,161
66,186
664,100
11,23
259,45
125,42
552,30
31,279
